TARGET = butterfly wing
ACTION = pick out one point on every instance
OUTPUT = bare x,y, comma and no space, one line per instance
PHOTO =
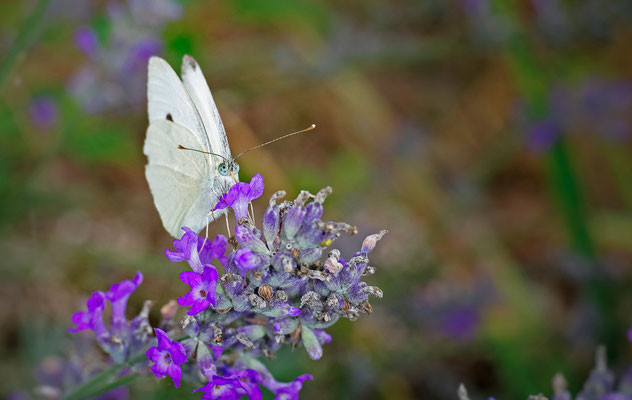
200,94
182,182
167,99
178,179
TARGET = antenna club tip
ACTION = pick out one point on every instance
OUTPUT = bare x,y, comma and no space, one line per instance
180,147
313,126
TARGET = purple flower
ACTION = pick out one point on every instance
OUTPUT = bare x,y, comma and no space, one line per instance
460,323
232,387
140,53
250,237
196,250
167,357
293,220
240,195
155,12
86,40
542,136
44,112
202,292
118,295
93,318
246,260
287,391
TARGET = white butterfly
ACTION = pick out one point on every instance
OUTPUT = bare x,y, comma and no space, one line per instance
185,184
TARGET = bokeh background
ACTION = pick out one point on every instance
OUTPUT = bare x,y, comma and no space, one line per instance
490,137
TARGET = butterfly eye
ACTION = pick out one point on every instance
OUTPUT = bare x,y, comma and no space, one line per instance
222,169
235,167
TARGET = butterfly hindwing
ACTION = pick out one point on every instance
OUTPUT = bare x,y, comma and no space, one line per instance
179,180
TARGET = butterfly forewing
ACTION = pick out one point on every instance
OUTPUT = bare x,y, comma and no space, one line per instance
167,99
184,183
200,94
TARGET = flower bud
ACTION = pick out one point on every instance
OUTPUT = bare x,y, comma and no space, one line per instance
168,311
370,241
265,291
293,220
271,224
332,265
249,238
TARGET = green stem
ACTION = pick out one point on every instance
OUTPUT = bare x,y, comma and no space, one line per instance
100,383
25,36
565,182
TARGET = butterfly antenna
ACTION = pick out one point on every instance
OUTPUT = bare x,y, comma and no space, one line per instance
181,147
309,128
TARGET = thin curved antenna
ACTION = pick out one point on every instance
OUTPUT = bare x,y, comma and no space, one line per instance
309,128
181,147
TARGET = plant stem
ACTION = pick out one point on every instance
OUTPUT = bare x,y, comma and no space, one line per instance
24,38
100,383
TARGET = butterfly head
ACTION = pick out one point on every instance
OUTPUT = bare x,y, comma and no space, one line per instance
229,168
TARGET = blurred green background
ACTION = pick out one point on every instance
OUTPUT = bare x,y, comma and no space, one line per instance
490,137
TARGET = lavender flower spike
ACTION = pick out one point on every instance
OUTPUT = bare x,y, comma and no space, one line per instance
240,195
93,318
232,387
167,357
118,295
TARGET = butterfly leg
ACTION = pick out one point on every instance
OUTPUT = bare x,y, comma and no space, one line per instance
206,235
227,224
252,212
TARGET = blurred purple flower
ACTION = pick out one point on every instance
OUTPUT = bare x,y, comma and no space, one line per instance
86,40
93,318
114,73
232,387
286,391
542,136
167,356
594,106
453,310
460,323
118,295
140,53
155,12
44,112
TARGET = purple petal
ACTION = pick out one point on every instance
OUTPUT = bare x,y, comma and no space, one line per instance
256,187
175,373
199,306
187,300
163,339
177,353
191,278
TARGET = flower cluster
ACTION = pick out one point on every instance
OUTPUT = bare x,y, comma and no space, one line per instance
595,106
122,338
112,75
248,295
259,289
